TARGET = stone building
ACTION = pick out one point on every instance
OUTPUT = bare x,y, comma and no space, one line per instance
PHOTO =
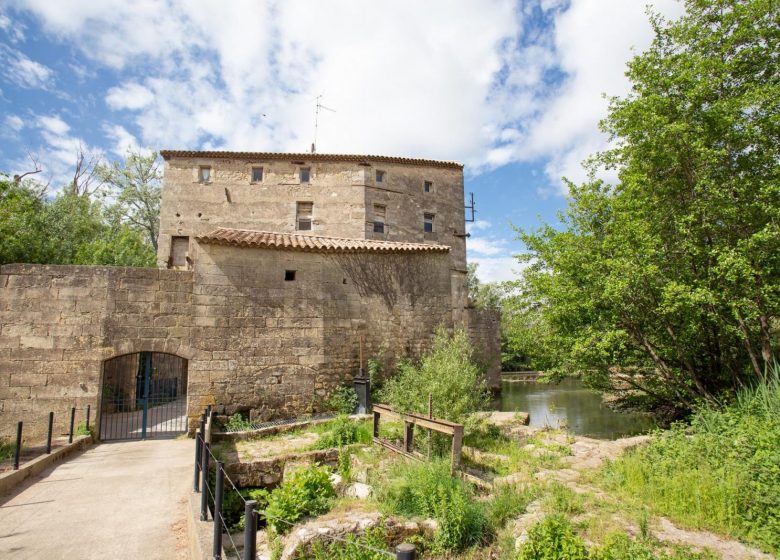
272,268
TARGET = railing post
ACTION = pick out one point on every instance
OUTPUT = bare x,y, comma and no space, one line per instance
204,477
196,481
88,406
48,437
218,491
250,530
72,420
18,451
405,551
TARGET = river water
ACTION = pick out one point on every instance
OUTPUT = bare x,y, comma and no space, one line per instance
569,404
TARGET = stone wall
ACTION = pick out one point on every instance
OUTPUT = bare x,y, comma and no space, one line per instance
484,329
58,324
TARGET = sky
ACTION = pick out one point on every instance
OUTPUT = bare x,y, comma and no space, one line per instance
514,90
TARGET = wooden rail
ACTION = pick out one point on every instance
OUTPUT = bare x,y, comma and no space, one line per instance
411,420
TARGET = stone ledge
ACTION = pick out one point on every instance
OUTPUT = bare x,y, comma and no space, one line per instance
34,467
200,534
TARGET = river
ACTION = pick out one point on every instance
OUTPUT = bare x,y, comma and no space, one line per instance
569,404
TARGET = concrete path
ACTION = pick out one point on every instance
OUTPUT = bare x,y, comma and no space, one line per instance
115,500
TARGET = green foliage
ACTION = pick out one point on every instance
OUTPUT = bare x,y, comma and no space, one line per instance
344,400
483,296
448,372
507,502
663,288
233,505
552,539
353,549
721,472
618,546
429,490
6,450
343,431
304,492
238,423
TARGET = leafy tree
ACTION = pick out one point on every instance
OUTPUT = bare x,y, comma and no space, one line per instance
666,286
22,221
136,183
483,296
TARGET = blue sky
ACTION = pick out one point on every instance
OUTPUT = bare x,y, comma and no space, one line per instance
514,90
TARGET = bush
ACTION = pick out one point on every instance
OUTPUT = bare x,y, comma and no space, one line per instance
553,539
344,400
448,372
343,431
352,550
428,490
7,450
238,423
721,472
304,492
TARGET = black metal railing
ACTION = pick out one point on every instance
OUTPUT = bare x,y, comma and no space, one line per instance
215,497
157,416
36,450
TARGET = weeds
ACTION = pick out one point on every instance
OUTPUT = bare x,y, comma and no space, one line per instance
343,400
304,492
343,431
7,450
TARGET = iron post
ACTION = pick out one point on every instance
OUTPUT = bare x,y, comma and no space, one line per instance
72,420
250,530
405,551
18,451
88,407
196,481
204,477
218,491
48,437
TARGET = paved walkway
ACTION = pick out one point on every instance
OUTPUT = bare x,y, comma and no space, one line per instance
114,501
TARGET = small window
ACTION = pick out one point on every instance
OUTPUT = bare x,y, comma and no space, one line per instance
304,174
204,174
303,215
428,186
289,275
380,212
180,247
257,174
428,223
380,176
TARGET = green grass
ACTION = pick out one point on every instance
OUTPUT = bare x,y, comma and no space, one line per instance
517,457
721,472
6,450
342,431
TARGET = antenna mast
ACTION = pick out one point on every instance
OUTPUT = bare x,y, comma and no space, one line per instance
317,109
472,208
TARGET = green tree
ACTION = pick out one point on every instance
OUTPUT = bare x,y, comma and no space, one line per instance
136,184
22,222
666,286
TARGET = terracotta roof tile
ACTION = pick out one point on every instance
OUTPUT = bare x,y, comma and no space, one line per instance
312,243
280,156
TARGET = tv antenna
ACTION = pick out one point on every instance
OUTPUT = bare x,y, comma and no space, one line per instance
317,110
472,208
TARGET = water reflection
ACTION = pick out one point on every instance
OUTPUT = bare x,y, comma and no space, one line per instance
569,404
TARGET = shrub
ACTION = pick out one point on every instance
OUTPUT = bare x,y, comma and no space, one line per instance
552,539
343,431
428,490
617,546
353,549
304,492
344,400
448,372
238,423
7,450
721,472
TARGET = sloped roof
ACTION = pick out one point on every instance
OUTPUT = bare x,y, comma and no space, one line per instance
312,243
280,156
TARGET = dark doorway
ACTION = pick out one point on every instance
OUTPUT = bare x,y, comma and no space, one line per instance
144,396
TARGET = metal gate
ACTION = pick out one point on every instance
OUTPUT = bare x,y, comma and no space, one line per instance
144,396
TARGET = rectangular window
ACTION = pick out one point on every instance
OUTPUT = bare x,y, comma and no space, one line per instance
304,174
204,174
303,215
380,213
180,247
257,174
428,186
289,275
380,176
428,223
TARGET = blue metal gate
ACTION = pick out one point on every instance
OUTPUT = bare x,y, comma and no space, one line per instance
143,396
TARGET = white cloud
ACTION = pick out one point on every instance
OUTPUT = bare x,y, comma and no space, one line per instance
53,125
477,225
14,29
121,139
14,122
486,246
24,72
132,96
497,269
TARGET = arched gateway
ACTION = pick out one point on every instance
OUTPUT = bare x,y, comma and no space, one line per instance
143,395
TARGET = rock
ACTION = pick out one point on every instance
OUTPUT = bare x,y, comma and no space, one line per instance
358,490
337,481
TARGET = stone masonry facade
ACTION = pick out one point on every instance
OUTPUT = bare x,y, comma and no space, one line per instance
269,329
